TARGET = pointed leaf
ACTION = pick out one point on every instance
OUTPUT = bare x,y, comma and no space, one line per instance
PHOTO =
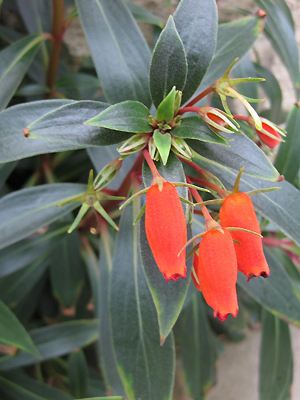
163,143
166,109
55,341
197,24
276,359
14,63
78,374
37,207
128,116
146,368
168,66
119,50
12,333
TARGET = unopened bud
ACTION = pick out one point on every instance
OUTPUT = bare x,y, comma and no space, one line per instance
107,174
181,148
218,120
134,144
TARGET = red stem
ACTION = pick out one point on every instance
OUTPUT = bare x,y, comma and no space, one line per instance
189,109
200,96
241,117
151,164
208,218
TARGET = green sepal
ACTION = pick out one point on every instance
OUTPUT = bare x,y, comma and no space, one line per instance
163,143
97,206
81,213
166,109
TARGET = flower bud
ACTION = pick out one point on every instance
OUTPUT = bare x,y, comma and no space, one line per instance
270,134
237,211
107,174
215,269
134,144
166,229
218,120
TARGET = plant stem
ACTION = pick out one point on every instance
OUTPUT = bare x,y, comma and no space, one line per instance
151,164
57,36
188,109
200,96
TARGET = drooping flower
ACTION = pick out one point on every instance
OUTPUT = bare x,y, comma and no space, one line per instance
237,211
166,230
215,272
270,134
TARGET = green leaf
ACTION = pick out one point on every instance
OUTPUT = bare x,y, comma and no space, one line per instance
52,125
166,108
163,143
128,116
18,386
288,160
234,40
141,14
278,294
168,65
37,207
194,128
12,333
168,297
197,24
5,171
241,152
54,341
276,360
100,279
67,271
199,352
119,50
78,374
280,31
281,206
146,369
14,63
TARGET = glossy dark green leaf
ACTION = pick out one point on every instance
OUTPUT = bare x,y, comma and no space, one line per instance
241,152
234,40
288,160
281,207
13,333
197,24
16,385
19,255
198,352
128,116
100,279
194,128
5,171
78,374
169,65
14,63
55,341
37,207
67,270
280,30
168,297
16,286
278,294
146,369
119,51
276,359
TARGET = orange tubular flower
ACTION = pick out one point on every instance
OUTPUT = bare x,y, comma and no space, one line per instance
215,272
166,229
237,211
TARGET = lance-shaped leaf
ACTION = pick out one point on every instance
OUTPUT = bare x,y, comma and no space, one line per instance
17,385
281,206
280,31
168,297
78,374
276,359
197,24
67,270
54,341
168,66
13,333
199,352
241,152
288,160
142,14
128,116
14,63
194,128
119,50
146,369
37,207
51,126
278,294
234,40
